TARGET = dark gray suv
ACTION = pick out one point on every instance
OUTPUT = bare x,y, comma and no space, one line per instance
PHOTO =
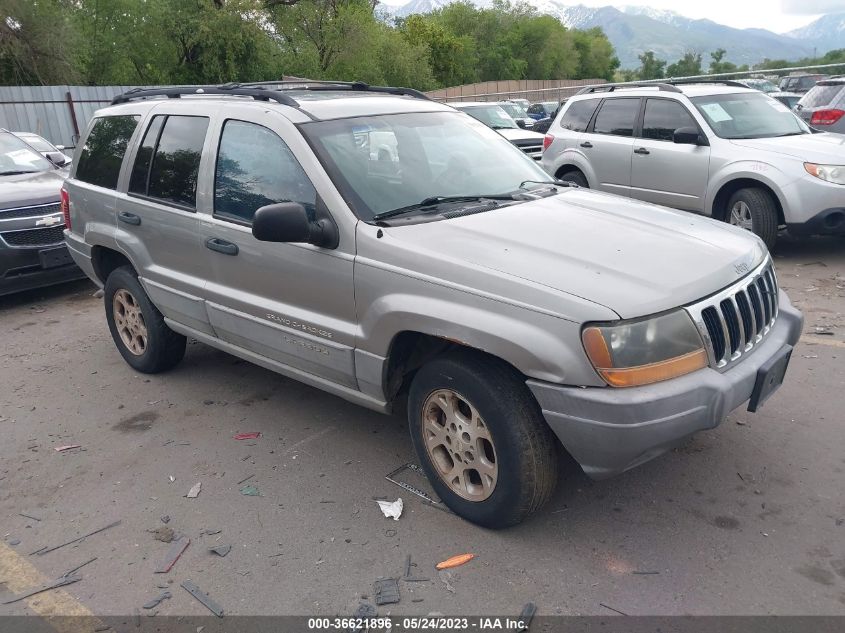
32,246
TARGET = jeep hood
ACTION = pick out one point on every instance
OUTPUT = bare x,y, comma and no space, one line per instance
825,148
24,190
634,258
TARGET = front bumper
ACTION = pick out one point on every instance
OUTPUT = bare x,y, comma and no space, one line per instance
827,222
25,268
609,431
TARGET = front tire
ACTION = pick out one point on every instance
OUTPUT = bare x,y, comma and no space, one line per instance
481,439
755,210
576,177
137,327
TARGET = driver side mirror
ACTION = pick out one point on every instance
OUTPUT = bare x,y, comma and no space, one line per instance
688,136
520,123
289,222
57,158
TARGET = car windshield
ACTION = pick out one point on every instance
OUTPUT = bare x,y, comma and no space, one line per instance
514,110
16,157
38,143
762,85
748,115
390,162
492,116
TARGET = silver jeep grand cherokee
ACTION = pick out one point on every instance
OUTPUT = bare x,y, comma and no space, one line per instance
512,310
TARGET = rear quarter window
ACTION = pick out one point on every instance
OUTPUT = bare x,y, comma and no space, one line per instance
104,149
577,116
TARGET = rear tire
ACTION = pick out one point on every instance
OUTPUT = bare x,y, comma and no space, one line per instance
137,327
500,464
576,177
755,210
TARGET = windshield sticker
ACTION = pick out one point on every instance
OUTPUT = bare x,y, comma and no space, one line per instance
716,112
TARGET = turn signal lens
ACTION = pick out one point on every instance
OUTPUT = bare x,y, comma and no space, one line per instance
628,354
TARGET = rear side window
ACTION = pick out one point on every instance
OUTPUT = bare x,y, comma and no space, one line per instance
821,95
617,117
256,168
102,154
662,117
577,116
168,160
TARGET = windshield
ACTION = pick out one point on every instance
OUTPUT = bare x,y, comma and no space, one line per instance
514,110
762,85
36,142
393,161
16,157
748,115
491,116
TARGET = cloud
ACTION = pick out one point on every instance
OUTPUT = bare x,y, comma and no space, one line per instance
811,7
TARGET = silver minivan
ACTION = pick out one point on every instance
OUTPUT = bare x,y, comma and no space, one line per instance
511,314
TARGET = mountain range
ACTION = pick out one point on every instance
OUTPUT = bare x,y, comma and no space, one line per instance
635,29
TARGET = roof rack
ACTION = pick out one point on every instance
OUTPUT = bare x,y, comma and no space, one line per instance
720,82
262,90
613,87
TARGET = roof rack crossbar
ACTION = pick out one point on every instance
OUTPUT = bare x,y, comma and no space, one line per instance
662,86
317,85
175,92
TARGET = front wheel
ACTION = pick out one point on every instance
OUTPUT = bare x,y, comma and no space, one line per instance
753,209
482,439
576,178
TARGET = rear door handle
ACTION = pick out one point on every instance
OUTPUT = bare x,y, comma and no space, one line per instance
642,150
221,246
129,218
586,144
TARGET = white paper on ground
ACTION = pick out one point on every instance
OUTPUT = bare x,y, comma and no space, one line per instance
195,490
391,509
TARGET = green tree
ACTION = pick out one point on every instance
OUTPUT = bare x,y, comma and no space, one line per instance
689,65
650,66
717,65
596,57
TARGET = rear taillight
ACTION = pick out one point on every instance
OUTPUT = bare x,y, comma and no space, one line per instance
547,140
66,207
826,117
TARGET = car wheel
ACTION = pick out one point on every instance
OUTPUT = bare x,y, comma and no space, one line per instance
754,209
576,177
481,439
137,327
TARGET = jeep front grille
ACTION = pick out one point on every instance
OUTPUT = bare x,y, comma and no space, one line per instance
734,321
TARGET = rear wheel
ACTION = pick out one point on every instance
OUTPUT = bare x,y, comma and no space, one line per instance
576,177
754,210
137,327
482,439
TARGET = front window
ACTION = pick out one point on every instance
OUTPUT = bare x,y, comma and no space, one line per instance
38,143
16,157
492,116
514,110
748,115
389,162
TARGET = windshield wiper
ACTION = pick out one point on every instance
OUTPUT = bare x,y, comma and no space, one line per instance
434,201
17,172
503,127
557,183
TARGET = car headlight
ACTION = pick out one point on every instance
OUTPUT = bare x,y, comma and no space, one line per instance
627,354
828,173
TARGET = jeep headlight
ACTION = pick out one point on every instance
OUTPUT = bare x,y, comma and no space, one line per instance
640,352
828,173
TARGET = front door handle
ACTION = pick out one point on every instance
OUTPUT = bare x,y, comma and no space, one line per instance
129,218
221,246
642,150
586,144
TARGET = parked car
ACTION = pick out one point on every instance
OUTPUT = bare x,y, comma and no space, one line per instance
542,110
542,126
799,83
718,149
522,102
493,116
763,85
789,99
53,153
518,114
823,107
32,248
511,310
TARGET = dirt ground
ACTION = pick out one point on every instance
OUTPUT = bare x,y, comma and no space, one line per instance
748,518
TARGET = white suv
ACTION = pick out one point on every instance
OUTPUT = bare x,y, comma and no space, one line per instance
719,149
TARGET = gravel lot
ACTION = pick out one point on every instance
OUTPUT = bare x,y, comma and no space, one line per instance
746,519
